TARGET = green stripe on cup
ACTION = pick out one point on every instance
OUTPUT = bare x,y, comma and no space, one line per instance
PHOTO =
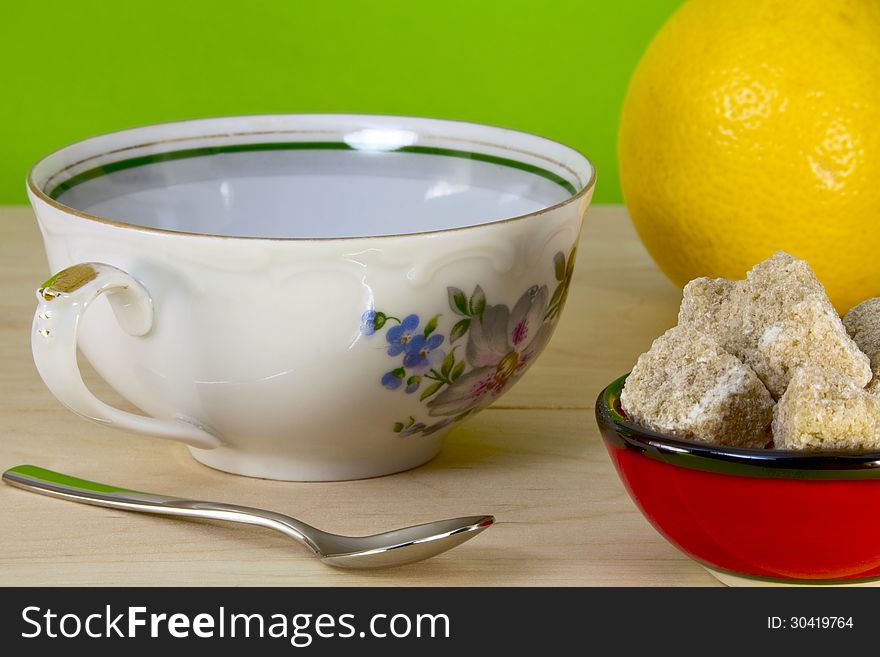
144,160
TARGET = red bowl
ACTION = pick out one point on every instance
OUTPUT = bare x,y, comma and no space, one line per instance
766,514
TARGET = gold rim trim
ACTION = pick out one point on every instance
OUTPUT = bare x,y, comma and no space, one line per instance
67,281
41,195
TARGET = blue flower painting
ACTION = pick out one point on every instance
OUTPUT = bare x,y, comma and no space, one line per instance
485,351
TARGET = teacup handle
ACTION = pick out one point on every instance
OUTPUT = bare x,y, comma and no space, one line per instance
62,301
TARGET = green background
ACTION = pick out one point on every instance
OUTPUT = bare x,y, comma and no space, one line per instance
76,69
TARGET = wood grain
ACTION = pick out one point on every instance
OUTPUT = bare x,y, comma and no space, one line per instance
535,460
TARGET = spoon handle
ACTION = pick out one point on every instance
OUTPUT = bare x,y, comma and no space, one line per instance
56,484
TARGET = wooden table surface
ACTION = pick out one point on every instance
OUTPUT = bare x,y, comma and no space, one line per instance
535,460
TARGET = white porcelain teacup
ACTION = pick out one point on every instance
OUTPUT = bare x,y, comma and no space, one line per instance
305,297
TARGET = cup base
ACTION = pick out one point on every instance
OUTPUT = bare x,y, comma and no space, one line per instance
738,579
272,466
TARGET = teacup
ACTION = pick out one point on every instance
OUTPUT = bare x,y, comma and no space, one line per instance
303,297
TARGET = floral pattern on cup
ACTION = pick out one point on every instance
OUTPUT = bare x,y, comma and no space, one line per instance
487,349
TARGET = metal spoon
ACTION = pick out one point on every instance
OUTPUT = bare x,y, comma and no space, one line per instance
392,548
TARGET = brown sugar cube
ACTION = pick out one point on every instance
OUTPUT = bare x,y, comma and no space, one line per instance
688,386
775,321
825,409
863,325
792,323
707,305
716,307
808,334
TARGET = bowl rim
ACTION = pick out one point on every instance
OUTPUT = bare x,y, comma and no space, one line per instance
45,196
617,429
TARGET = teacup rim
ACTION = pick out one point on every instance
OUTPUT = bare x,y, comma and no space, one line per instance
585,190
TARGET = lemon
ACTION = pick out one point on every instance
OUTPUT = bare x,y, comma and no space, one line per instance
754,125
